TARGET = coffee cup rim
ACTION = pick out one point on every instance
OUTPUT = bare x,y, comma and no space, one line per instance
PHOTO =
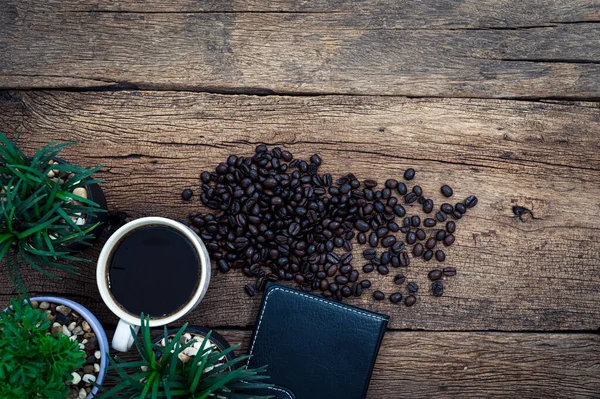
103,260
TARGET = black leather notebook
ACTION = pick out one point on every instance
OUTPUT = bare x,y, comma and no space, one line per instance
315,347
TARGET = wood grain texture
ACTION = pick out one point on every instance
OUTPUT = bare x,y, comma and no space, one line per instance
531,274
460,365
454,49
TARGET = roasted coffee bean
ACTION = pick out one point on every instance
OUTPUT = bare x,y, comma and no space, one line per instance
404,229
385,258
413,287
368,268
461,208
440,216
420,233
187,194
333,287
369,254
404,260
429,222
327,294
449,271
428,255
362,226
382,232
353,276
347,246
397,247
376,262
357,289
409,174
299,278
399,210
338,242
447,208
378,295
437,288
388,241
471,201
365,283
373,240
391,183
435,275
393,226
399,279
395,261
415,221
223,266
451,227
440,235
411,237
428,206
456,215
417,190
346,258
440,256
383,270
406,222
430,243
401,188
396,297
332,270
346,291
418,250
370,183
321,274
250,289
345,269
341,279
446,191
410,300
361,238
261,282
333,257
410,198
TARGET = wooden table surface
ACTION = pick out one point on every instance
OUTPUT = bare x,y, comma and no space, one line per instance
497,98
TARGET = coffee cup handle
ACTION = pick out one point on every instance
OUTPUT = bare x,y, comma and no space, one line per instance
123,340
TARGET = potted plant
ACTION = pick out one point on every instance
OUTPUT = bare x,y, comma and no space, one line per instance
50,348
195,369
50,209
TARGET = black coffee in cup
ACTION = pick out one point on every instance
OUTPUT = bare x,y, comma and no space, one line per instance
153,269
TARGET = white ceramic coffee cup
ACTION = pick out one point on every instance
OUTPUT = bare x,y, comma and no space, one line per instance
123,340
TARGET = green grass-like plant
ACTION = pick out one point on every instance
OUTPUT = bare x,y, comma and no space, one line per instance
161,374
36,211
33,362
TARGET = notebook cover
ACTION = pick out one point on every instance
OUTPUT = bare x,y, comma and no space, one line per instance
317,348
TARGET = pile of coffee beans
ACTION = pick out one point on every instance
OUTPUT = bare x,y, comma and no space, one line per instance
277,218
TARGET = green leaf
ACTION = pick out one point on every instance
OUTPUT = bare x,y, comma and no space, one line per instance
37,228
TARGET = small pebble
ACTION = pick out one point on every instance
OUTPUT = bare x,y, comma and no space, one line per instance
44,305
77,330
72,326
35,304
80,191
65,331
97,354
86,326
88,368
96,367
82,394
76,378
64,310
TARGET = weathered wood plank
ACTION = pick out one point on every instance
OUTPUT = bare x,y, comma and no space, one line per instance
531,274
441,365
462,50
509,365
